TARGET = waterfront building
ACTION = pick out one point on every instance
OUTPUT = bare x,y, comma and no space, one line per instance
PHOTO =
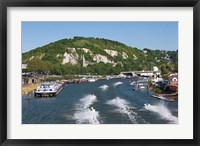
24,65
30,80
155,68
173,78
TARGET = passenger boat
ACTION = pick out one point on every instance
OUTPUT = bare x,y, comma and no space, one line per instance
48,89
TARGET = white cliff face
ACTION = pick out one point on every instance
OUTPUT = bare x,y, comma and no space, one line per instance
58,55
86,50
111,52
114,64
134,57
42,55
124,55
100,58
70,58
72,50
31,58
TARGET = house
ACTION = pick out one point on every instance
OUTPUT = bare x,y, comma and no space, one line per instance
173,78
24,65
30,80
145,52
155,68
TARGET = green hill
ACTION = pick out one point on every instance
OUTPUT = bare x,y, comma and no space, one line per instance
82,55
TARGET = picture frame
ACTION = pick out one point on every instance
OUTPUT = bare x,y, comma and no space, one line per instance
97,3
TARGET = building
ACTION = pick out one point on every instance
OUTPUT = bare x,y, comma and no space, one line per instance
173,78
145,52
155,68
83,64
24,65
29,80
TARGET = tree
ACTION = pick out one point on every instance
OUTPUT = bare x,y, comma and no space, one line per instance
175,67
166,68
163,69
169,67
56,69
37,65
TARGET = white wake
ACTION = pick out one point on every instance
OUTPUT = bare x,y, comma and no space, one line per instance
123,107
117,83
104,87
84,113
162,111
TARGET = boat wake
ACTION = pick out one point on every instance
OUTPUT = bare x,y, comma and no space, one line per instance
88,100
117,83
162,111
124,108
84,113
104,87
87,116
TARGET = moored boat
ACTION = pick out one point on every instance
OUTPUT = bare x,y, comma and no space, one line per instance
48,89
167,97
132,83
91,80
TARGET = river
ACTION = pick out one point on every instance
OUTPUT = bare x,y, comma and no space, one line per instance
102,102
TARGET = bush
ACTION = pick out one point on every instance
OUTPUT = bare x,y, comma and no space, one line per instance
52,79
157,90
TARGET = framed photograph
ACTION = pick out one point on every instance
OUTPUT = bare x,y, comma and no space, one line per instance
99,72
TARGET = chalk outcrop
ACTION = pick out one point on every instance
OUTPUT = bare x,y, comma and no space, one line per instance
124,55
111,52
100,58
70,58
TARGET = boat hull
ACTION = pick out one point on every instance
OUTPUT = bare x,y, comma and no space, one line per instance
164,97
45,94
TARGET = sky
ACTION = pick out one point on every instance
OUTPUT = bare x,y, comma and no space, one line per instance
151,35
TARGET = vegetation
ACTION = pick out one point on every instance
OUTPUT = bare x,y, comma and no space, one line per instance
157,90
49,58
168,68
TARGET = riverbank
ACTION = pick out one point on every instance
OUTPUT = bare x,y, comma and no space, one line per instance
26,89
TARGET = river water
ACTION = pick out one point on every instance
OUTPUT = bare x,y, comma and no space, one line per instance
102,102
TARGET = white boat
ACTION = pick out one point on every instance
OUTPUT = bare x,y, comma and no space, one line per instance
142,87
135,89
133,83
156,80
48,89
164,97
91,80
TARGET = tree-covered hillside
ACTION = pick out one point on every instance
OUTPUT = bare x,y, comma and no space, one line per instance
82,55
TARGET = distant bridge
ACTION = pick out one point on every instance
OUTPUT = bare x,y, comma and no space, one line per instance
140,73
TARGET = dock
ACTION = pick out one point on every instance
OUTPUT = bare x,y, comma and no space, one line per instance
26,89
